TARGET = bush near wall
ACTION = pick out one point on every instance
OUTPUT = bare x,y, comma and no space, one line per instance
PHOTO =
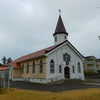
90,74
98,72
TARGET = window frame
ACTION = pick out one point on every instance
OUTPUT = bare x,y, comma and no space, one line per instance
33,68
55,38
22,71
64,37
27,68
79,67
41,66
73,68
52,66
60,69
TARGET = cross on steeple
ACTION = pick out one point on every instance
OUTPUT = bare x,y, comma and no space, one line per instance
59,12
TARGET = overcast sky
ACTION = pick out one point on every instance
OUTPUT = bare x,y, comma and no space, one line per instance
28,25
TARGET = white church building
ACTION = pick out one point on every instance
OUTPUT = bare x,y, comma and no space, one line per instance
57,62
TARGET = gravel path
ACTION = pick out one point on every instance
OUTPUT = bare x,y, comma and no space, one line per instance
52,87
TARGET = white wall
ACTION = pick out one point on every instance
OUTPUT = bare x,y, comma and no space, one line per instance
57,56
60,38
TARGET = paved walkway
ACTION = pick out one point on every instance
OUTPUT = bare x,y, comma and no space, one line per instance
93,83
53,87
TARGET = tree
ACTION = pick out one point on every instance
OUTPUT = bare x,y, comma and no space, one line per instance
4,60
9,60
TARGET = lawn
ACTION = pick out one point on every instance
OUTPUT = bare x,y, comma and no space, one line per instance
19,94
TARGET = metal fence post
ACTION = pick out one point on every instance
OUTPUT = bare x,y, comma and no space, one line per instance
8,78
0,81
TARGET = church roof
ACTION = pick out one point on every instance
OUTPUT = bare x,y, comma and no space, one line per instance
60,28
3,68
34,55
90,57
40,53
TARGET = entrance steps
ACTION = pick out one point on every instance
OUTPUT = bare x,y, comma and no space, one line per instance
68,81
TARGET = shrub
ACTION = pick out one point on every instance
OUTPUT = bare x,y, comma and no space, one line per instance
98,72
90,73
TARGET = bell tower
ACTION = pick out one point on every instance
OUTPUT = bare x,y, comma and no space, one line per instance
60,33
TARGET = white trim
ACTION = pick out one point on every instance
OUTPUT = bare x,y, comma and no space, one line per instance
76,52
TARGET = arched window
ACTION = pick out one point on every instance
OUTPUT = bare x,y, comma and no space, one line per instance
33,68
27,70
22,68
52,66
41,66
79,67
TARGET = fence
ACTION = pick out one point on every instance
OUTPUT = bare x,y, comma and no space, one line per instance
2,81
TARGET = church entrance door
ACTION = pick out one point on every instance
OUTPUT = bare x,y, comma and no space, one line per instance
67,72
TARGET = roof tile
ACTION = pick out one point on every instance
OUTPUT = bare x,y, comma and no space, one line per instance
3,68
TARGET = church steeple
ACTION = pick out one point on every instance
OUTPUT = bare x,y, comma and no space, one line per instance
60,28
60,33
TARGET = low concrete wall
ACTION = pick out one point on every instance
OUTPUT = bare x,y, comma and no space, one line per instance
93,80
93,77
37,80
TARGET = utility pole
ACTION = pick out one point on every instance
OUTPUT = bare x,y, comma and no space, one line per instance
8,78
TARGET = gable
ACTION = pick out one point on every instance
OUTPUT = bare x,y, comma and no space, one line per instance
67,45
